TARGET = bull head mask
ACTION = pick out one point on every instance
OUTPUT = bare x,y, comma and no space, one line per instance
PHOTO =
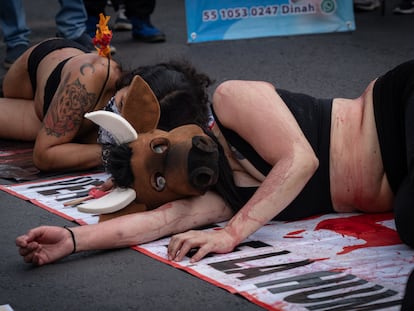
166,166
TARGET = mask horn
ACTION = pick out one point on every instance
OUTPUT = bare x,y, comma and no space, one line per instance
114,201
123,132
118,126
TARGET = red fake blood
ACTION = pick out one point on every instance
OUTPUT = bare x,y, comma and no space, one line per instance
295,234
364,227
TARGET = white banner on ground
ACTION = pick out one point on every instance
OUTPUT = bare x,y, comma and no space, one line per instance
331,262
327,262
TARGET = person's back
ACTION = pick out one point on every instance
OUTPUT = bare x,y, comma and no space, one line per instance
66,69
48,90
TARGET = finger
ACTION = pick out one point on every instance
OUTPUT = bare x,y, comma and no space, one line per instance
185,248
24,251
173,247
21,241
31,247
34,234
200,254
38,256
28,258
38,259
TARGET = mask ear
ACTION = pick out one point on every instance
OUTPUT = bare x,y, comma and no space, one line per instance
141,107
120,128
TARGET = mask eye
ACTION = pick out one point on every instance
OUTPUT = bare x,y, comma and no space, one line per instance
159,145
159,182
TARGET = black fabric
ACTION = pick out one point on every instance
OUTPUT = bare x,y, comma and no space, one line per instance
404,211
392,93
136,8
394,115
52,84
45,48
315,198
408,300
139,8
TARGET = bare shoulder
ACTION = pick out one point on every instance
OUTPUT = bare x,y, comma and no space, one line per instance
239,104
92,71
235,100
91,65
255,111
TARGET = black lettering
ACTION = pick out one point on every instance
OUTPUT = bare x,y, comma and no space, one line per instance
252,244
371,307
231,267
323,278
75,184
332,303
224,266
305,281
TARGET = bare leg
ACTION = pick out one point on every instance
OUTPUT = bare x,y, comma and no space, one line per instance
16,83
18,119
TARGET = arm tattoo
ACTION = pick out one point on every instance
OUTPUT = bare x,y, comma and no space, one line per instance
86,66
66,114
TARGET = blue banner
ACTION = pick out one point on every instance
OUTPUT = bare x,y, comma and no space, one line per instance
209,20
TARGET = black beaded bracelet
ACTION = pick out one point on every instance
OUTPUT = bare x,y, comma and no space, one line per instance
73,238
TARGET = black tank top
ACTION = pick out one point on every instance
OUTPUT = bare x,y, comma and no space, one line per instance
314,118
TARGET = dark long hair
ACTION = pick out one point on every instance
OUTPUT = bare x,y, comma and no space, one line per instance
180,90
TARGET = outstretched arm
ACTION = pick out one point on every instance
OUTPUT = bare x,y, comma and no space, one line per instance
257,113
45,244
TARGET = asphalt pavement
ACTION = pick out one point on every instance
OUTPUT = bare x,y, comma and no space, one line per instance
323,65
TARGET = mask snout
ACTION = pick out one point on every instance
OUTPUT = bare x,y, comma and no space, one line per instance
203,163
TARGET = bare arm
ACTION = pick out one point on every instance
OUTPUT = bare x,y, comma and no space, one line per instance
56,147
43,245
257,113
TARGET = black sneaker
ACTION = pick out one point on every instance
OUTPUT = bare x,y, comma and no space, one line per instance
13,53
122,22
143,30
405,8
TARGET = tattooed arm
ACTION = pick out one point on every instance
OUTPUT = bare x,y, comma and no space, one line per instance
78,91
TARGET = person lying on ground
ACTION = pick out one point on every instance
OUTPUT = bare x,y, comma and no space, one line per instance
53,84
283,156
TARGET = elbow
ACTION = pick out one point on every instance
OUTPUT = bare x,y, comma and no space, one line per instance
305,161
224,90
310,164
41,161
